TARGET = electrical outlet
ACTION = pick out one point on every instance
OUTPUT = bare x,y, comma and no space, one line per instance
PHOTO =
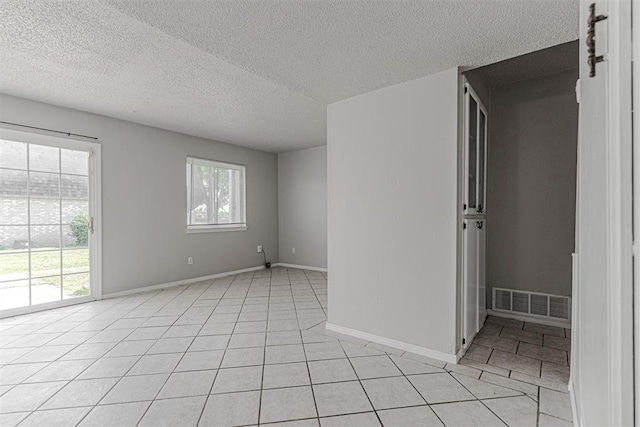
259,248
293,250
190,260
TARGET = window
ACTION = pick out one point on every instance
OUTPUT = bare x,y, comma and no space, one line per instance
215,196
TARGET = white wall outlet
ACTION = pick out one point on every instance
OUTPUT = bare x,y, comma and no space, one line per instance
293,250
190,260
259,248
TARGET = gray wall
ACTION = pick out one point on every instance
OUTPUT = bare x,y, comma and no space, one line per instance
144,198
532,185
392,203
302,207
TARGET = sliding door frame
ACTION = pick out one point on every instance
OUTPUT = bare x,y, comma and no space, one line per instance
89,145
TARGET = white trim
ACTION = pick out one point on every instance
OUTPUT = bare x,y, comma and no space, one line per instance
423,351
561,323
11,312
574,404
300,267
179,282
214,228
619,215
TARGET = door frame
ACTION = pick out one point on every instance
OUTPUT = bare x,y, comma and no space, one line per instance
620,212
16,133
619,393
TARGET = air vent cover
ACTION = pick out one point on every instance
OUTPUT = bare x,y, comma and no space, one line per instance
532,303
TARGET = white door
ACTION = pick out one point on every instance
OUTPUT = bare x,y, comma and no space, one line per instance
482,268
49,193
470,279
601,381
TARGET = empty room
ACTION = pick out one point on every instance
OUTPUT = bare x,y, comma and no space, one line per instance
319,213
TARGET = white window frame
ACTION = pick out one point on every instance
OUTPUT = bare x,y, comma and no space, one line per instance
468,210
209,228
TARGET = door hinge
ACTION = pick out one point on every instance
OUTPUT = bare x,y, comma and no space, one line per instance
464,341
592,59
464,225
91,225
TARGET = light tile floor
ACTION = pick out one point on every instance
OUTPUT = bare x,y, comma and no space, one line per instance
252,349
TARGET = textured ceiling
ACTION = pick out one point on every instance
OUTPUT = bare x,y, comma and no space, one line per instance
540,63
254,73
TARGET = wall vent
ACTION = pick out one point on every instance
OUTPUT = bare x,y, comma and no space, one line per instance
532,303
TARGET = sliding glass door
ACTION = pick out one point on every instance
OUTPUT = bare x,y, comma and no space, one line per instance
47,222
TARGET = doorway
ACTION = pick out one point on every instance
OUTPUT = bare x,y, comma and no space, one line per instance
49,221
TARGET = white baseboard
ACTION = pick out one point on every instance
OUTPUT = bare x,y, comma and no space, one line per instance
561,323
300,267
179,282
574,405
423,351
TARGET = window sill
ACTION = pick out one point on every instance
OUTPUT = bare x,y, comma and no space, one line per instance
215,229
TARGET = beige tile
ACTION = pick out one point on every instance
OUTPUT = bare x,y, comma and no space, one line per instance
542,382
483,389
557,342
238,379
484,367
490,329
237,357
555,372
186,384
524,387
499,343
464,370
232,409
515,411
375,367
424,359
124,414
357,350
478,353
411,367
276,404
556,404
544,329
328,371
284,354
28,397
520,335
136,388
341,398
395,392
368,419
417,416
385,348
55,417
549,421
515,362
438,388
543,353
80,393
173,412
466,414
285,375
324,350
